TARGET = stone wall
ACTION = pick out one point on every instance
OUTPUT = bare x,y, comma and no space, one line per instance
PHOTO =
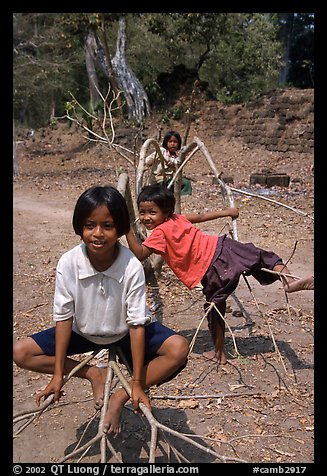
281,121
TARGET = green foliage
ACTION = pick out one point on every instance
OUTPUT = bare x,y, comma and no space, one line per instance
246,61
238,54
53,122
46,62
301,71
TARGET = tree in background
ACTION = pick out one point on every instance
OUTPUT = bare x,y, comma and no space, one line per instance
237,54
115,68
296,31
301,70
47,63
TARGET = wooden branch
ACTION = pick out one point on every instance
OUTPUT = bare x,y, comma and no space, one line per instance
155,425
206,396
189,112
299,212
141,165
49,399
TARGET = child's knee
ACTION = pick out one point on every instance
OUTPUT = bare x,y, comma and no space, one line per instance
20,352
179,349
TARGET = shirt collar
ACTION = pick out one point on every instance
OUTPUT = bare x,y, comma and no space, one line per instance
86,270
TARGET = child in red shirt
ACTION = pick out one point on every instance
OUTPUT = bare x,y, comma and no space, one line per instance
215,262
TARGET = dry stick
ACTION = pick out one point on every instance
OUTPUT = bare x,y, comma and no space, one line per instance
299,212
141,165
281,274
285,293
154,424
244,311
143,407
107,387
217,440
235,236
207,396
231,200
93,440
189,111
114,452
211,305
104,408
85,429
49,399
230,330
83,454
104,442
266,321
224,459
93,136
179,456
198,328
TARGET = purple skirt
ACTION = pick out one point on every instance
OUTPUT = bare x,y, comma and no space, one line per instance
230,260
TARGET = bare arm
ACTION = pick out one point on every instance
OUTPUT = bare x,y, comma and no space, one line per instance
63,333
141,252
137,335
201,217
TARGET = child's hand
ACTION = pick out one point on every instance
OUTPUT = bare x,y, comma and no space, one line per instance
138,396
54,387
234,212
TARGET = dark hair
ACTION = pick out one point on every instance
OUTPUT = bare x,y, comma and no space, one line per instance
170,134
160,195
93,198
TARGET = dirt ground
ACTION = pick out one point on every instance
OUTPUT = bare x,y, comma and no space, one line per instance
259,407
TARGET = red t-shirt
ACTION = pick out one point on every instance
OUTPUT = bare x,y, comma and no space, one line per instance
185,248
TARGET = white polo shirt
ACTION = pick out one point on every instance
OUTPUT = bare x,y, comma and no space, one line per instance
103,304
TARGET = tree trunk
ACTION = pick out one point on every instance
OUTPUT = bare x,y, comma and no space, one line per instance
286,31
136,98
91,72
119,74
99,52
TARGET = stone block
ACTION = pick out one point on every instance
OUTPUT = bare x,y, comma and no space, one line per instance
258,178
270,179
280,180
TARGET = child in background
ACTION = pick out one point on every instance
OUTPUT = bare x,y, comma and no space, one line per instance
215,262
171,145
99,300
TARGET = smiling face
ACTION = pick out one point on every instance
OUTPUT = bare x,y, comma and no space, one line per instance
100,237
151,215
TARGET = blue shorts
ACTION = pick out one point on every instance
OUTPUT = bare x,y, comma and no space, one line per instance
155,335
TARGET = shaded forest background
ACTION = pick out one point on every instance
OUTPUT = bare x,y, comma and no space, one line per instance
149,59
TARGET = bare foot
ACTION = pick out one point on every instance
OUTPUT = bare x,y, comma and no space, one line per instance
111,422
219,356
304,284
97,378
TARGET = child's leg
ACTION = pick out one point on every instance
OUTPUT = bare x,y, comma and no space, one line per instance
29,355
292,285
216,327
172,354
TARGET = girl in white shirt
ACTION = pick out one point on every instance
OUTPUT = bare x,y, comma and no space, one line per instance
100,299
